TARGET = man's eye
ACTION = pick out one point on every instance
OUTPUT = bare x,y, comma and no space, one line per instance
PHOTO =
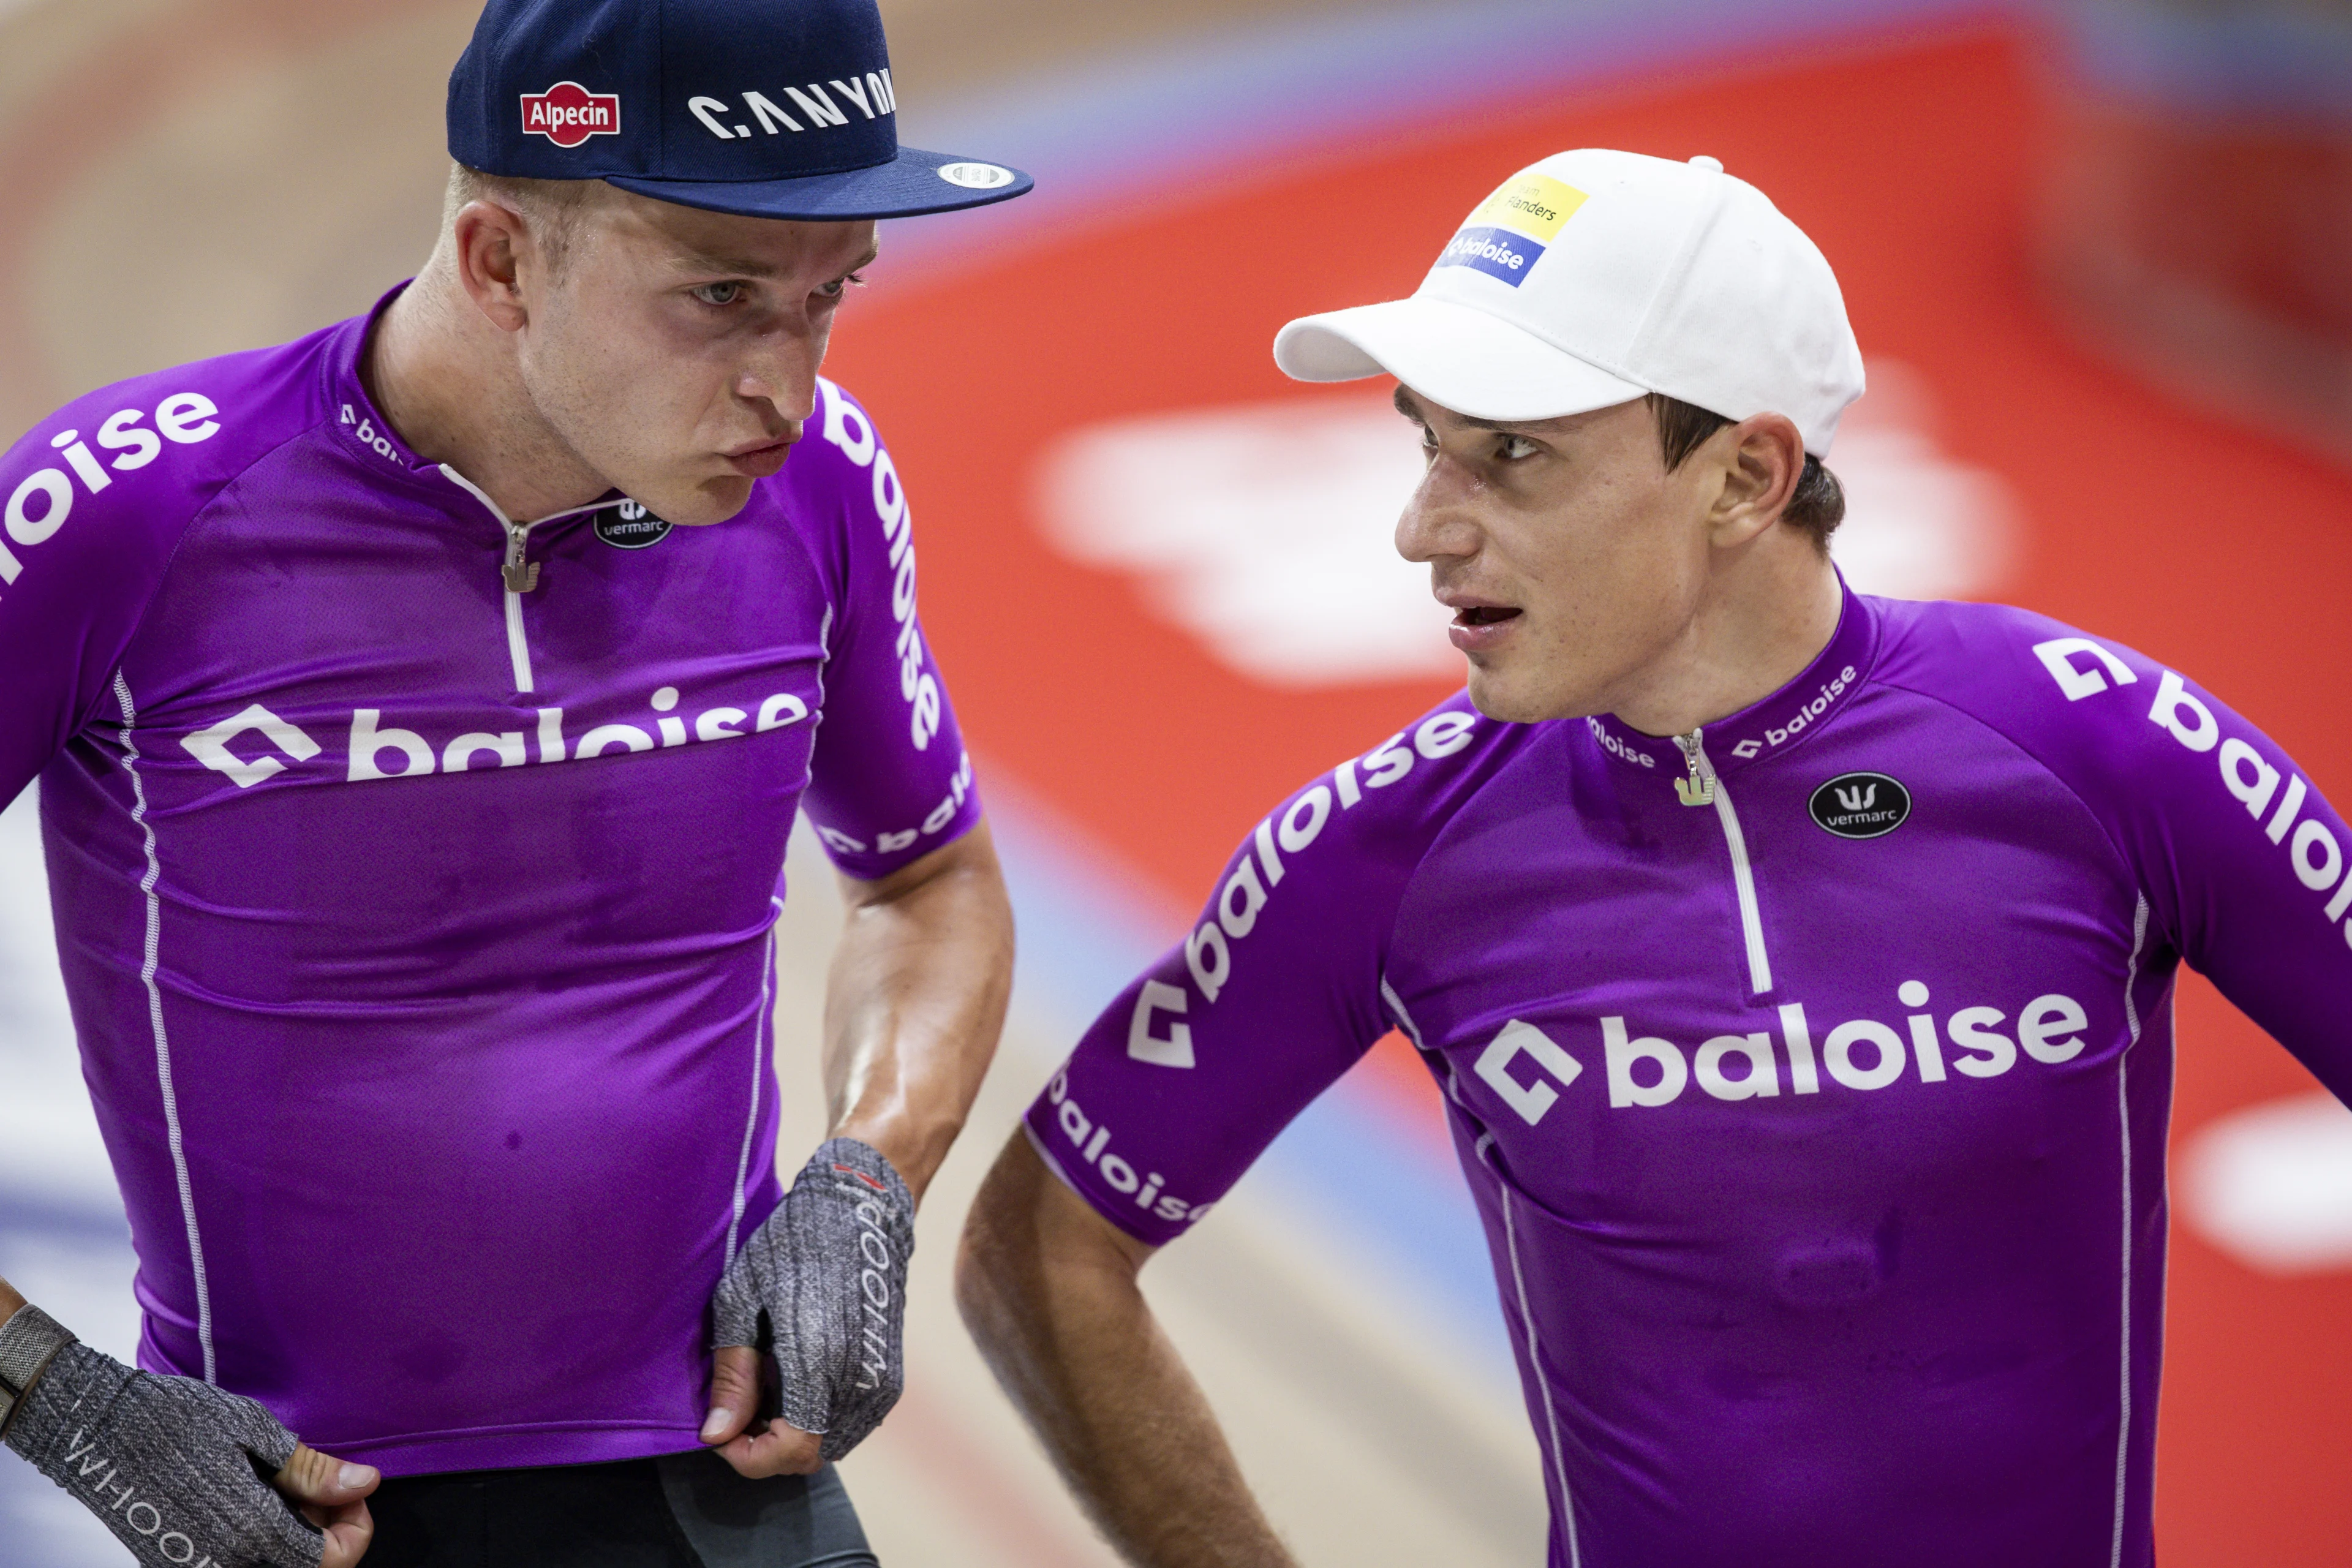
1428,439
718,293
834,290
1511,448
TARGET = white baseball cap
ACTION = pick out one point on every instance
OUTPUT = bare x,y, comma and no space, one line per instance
1594,276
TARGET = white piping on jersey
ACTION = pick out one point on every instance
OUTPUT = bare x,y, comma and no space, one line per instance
1511,1242
1706,786
759,1077
1396,1006
1535,1365
155,1020
521,575
1412,1031
2123,1108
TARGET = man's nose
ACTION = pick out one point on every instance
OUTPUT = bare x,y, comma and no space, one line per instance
1436,521
780,371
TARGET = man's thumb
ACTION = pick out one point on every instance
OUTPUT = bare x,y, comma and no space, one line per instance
314,1478
734,1393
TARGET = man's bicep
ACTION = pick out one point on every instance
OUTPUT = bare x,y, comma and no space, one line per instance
1208,1055
1167,1102
1271,997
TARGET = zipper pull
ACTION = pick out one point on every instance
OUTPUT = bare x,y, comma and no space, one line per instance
1698,789
522,577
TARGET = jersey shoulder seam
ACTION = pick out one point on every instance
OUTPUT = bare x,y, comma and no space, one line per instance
1383,990
172,560
2107,835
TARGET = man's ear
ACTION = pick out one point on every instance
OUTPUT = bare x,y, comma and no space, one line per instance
1761,460
490,242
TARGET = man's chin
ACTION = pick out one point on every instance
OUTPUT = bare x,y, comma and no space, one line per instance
699,505
1498,696
1491,693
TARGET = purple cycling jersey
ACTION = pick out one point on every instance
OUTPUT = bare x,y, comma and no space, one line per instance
1811,1074
415,874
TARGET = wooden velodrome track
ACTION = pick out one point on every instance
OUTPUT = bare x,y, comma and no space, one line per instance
181,178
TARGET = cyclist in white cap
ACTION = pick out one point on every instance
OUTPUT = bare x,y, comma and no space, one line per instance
1798,966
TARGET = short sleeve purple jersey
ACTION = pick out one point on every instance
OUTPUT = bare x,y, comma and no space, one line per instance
415,874
1812,1086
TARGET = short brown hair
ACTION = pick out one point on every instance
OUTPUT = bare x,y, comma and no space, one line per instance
1816,506
553,206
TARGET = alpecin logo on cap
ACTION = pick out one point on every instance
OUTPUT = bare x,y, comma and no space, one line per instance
568,114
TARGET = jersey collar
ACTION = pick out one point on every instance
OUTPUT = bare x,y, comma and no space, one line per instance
379,447
1763,729
358,423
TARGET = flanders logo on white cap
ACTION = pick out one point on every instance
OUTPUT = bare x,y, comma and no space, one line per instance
1507,233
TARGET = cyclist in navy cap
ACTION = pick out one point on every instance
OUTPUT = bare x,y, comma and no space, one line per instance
421,710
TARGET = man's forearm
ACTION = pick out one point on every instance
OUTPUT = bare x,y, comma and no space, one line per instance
1049,1292
915,1002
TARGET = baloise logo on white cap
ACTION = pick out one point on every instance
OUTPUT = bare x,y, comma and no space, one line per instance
1647,275
1507,233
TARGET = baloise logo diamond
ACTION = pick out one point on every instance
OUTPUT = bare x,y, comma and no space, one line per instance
1861,806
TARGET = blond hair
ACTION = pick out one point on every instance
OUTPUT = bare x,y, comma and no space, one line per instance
551,207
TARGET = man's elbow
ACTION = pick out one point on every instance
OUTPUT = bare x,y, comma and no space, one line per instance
1037,1262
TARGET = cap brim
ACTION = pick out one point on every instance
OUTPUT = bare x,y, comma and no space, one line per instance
1467,361
907,186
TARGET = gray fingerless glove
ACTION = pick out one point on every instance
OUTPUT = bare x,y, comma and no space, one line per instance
177,1469
822,1287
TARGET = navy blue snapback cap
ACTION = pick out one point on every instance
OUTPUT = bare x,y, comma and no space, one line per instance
780,108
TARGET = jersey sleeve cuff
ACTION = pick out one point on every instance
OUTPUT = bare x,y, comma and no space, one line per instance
871,859
1139,1202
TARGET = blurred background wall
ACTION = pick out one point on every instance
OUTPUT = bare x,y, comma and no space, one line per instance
2198,217
2096,256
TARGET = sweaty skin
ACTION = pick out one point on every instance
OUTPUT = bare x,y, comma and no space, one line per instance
923,968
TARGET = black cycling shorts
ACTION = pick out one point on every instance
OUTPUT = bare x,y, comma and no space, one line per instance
683,1511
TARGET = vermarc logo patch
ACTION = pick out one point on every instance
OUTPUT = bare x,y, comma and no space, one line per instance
1861,806
629,526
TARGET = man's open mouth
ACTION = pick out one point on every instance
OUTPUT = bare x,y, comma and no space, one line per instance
1483,615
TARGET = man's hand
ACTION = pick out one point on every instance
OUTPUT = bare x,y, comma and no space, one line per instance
179,1471
329,1493
822,1287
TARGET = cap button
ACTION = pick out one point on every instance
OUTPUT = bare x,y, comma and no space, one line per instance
1704,161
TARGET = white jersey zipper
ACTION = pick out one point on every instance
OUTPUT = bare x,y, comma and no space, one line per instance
521,576
519,573
1704,786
